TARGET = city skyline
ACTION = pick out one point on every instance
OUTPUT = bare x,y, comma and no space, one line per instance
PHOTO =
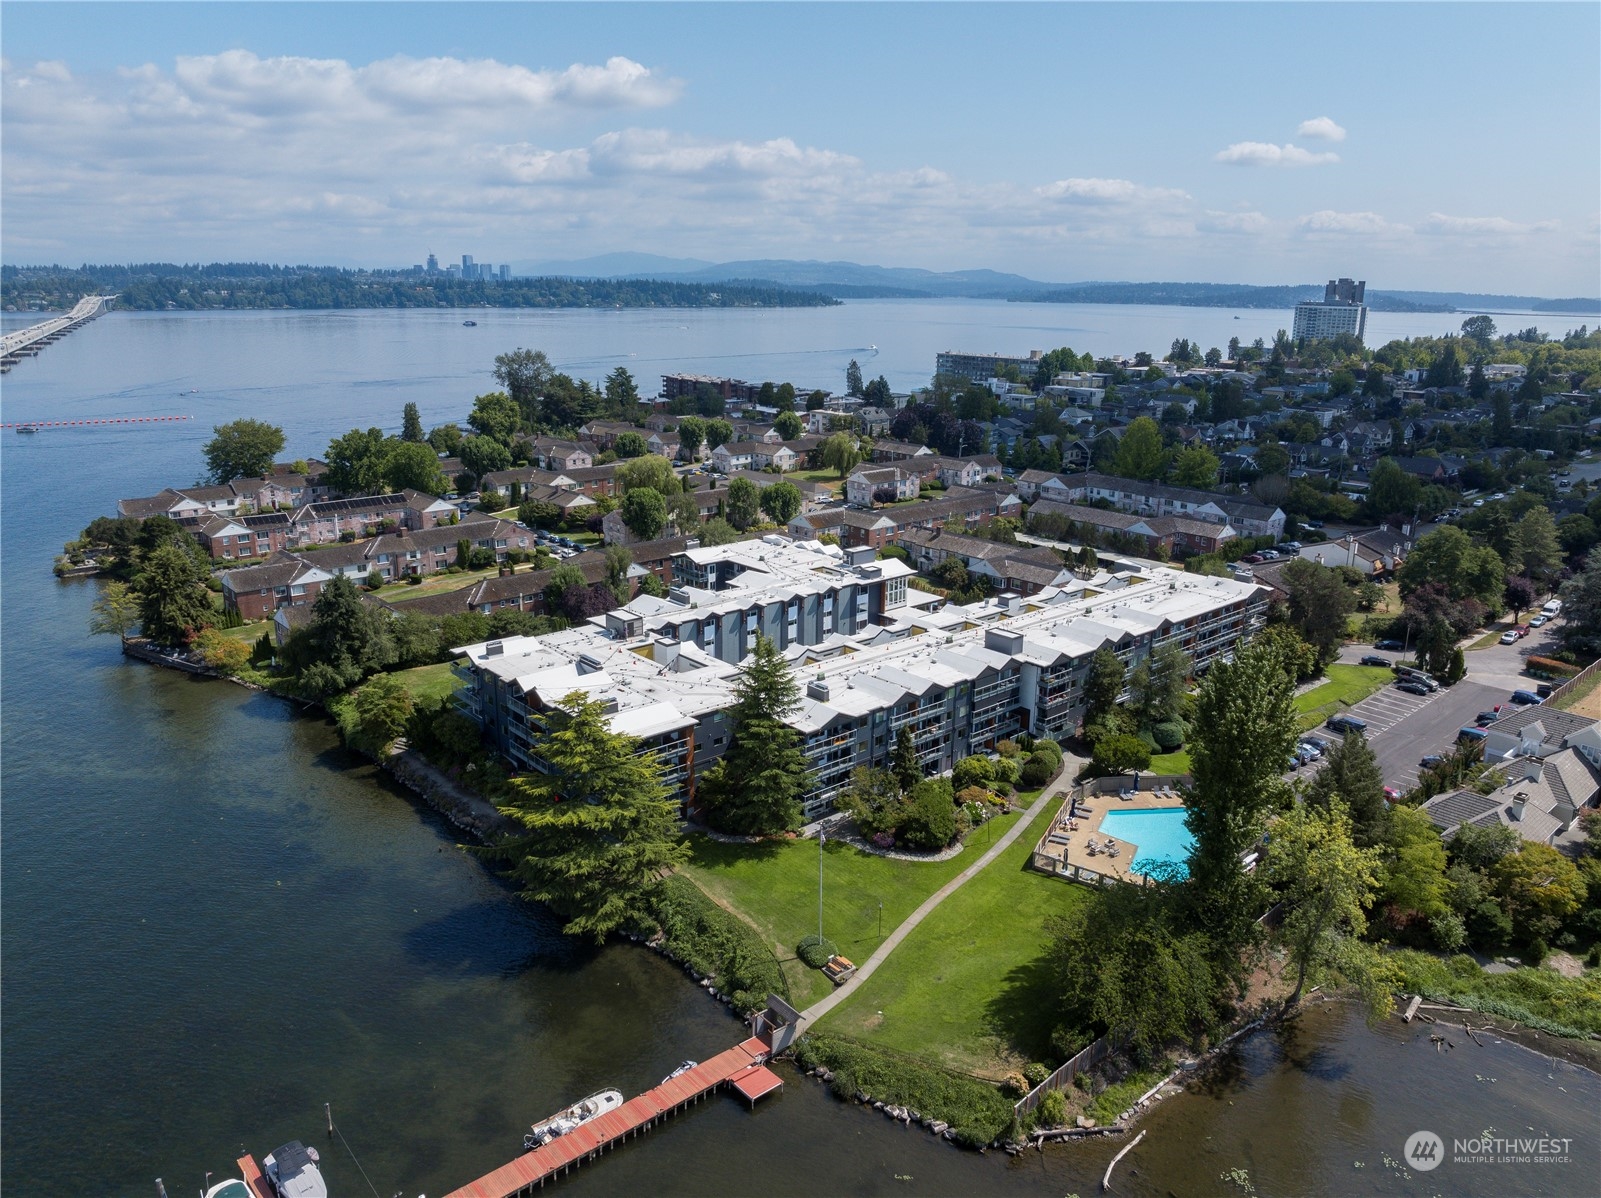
1250,143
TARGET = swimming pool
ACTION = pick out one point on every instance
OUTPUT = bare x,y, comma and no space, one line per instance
1158,834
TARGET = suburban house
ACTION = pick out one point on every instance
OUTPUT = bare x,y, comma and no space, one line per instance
883,483
1250,518
876,529
234,538
1026,569
333,519
1376,551
754,455
255,592
899,451
1160,533
554,454
1541,799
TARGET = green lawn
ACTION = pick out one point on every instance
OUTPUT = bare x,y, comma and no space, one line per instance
774,885
428,683
967,989
816,476
1346,685
1170,763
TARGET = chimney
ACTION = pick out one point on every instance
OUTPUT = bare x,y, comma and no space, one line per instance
1519,800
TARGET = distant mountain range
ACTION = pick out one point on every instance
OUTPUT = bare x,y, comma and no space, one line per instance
853,280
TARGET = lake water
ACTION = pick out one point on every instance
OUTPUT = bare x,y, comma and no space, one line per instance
215,920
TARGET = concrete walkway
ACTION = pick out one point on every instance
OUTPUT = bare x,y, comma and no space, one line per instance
1051,794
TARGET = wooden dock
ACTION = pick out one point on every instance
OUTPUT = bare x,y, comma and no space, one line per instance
742,1067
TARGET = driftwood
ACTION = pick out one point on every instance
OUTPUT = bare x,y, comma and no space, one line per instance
1106,1182
1412,1008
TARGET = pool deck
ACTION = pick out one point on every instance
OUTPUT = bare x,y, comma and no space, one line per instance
1070,847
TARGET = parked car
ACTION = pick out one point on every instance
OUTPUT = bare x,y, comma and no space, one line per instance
1269,555
1432,760
1315,525
1408,674
1316,742
1411,688
1292,546
1346,723
1312,749
1468,734
1539,621
1522,630
1253,559
1374,660
1509,637
1526,698
1391,794
1391,645
1488,717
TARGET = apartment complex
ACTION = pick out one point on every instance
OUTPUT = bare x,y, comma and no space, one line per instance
871,656
980,368
1342,310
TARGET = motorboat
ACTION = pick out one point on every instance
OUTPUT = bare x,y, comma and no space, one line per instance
232,1188
680,1071
293,1171
26,428
600,1103
471,324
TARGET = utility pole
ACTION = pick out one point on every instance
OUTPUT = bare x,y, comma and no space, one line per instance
821,836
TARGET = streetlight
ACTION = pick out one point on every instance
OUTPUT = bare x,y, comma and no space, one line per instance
881,919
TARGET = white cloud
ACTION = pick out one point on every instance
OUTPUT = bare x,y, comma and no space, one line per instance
1482,226
1233,222
1265,153
1331,222
1109,191
1320,128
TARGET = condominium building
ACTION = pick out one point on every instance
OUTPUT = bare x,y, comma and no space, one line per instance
871,656
980,368
1342,310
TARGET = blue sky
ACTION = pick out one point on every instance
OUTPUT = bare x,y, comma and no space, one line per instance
1419,146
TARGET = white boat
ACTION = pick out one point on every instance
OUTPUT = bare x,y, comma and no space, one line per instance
575,1116
232,1188
682,1069
293,1171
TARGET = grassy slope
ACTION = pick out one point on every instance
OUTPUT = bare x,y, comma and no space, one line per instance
1346,685
428,683
966,989
774,884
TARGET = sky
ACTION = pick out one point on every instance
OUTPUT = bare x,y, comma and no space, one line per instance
1434,146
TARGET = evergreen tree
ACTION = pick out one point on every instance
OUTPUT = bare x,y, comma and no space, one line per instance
1103,686
1351,775
853,378
345,639
1159,685
173,601
411,424
1244,730
598,831
756,788
621,393
903,763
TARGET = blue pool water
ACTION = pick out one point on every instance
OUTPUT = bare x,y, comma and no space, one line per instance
1158,834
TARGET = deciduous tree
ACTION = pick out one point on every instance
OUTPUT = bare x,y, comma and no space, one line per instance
1319,602
645,512
356,462
743,505
382,706
483,455
242,449
1139,452
781,502
413,465
115,610
1195,466
524,373
1326,885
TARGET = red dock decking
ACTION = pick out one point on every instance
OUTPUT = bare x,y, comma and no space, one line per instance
251,1173
742,1066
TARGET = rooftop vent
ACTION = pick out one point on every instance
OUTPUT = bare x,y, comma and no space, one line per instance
817,690
494,649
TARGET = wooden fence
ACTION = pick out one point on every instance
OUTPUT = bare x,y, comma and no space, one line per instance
1588,672
1087,1059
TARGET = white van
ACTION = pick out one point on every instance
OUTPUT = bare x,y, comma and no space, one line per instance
1554,608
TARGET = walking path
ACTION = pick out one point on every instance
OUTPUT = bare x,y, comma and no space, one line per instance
1052,793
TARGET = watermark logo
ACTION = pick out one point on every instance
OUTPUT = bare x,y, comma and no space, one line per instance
1424,1151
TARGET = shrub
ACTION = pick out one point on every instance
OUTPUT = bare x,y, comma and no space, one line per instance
1169,735
720,945
1052,1110
972,771
1037,771
1007,749
1035,1073
1007,769
1120,754
1049,747
930,820
816,950
1015,1085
